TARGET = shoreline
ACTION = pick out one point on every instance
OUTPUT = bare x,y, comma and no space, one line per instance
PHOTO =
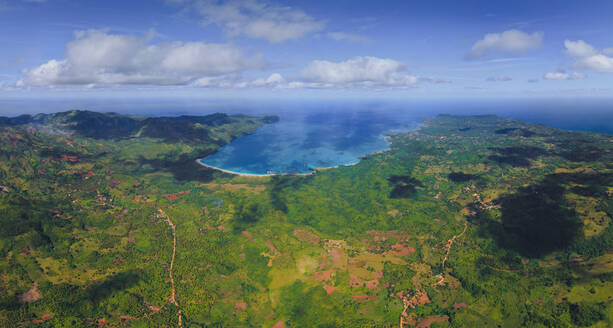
315,170
254,175
250,174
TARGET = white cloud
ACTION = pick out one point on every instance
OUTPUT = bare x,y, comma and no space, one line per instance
579,49
358,72
588,57
255,19
274,80
233,81
502,78
511,42
342,36
564,76
97,57
556,76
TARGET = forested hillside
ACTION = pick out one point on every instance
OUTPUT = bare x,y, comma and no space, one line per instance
471,221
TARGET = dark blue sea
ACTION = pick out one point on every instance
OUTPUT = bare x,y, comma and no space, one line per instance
314,134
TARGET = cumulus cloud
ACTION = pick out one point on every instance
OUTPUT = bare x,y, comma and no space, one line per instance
556,76
255,19
564,76
502,78
511,42
588,57
273,81
360,72
233,81
97,57
579,49
342,36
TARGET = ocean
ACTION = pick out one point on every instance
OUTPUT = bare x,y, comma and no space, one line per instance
316,134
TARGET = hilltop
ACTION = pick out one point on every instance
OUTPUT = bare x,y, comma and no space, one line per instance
114,126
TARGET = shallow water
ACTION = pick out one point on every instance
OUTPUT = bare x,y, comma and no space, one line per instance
300,141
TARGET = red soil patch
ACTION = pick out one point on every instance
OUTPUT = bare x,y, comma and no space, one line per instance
114,183
329,289
279,324
172,196
221,228
379,274
247,234
42,319
109,171
427,321
271,247
437,220
132,240
337,256
363,298
31,295
354,281
135,183
372,284
242,306
401,250
459,305
25,251
242,256
69,158
325,275
306,236
101,322
420,298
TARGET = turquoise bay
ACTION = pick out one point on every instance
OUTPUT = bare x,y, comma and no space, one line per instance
301,142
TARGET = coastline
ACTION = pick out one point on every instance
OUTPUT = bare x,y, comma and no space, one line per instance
253,175
386,137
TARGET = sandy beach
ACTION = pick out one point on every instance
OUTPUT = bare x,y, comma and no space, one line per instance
274,174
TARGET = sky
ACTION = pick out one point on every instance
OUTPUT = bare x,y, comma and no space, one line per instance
310,49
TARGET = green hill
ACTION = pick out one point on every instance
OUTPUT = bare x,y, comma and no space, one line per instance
471,221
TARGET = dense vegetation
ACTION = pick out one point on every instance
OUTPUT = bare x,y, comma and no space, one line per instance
468,222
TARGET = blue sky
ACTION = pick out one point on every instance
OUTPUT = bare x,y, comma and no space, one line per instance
257,48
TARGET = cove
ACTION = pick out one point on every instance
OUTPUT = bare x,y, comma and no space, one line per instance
303,141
